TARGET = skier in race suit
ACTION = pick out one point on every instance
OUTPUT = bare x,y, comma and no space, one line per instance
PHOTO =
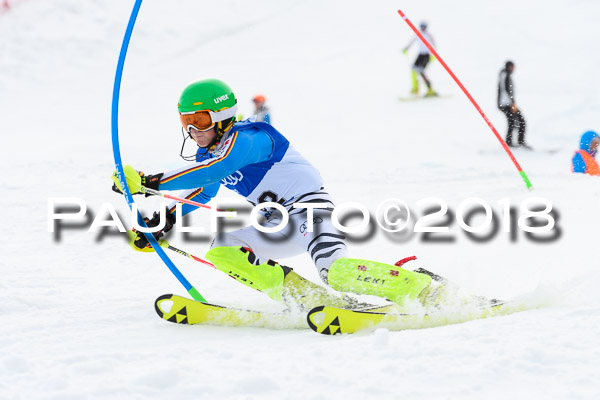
257,162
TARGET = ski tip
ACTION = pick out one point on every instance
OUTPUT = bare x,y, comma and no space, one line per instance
171,308
316,319
311,315
158,302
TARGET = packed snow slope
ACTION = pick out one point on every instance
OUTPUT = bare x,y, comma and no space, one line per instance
77,308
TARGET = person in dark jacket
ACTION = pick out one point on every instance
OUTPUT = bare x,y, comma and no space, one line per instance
506,104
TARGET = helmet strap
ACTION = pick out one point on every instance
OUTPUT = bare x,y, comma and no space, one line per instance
220,129
214,142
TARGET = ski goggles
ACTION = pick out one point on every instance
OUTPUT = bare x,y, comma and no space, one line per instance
205,119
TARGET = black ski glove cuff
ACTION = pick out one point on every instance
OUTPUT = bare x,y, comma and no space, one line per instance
155,220
152,182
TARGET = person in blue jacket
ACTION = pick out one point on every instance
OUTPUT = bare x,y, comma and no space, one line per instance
261,111
256,161
584,160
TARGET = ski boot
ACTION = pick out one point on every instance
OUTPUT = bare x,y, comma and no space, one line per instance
436,295
525,146
374,278
431,92
277,281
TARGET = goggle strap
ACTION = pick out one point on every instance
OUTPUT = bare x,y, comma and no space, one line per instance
223,114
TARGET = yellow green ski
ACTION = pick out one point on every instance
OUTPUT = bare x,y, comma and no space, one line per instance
322,319
332,321
181,310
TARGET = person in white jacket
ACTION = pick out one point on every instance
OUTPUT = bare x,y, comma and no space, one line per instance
421,62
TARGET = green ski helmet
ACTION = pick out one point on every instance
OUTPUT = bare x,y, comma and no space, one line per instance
204,104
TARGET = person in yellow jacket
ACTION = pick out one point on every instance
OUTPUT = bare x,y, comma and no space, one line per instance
584,159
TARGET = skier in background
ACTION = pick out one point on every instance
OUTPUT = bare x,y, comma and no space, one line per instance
583,160
258,162
421,62
262,112
506,104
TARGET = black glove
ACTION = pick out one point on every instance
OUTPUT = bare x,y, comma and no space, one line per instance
139,241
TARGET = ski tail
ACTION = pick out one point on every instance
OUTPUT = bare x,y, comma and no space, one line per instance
332,321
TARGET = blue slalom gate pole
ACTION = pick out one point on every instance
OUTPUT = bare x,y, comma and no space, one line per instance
119,166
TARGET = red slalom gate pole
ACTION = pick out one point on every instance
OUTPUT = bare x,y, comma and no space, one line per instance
462,87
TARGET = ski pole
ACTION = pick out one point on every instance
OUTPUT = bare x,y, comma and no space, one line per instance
163,243
502,142
179,199
117,155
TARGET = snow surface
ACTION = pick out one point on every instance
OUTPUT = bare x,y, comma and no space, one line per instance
78,316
